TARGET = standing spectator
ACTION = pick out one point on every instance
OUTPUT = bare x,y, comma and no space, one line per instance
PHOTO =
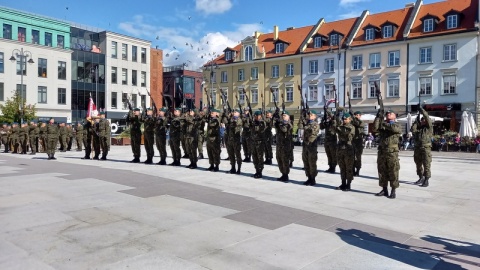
368,141
477,143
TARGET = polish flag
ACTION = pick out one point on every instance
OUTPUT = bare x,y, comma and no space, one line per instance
92,109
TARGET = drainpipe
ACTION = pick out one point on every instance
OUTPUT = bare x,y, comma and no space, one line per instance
406,77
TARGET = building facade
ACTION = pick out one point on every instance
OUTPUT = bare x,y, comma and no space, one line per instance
182,87
46,68
156,77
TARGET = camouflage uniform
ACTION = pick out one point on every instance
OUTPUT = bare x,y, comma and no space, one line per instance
42,137
388,163
135,135
23,138
52,139
149,136
422,154
87,138
246,139
4,137
182,137
104,132
79,137
69,137
96,139
358,144
33,135
213,143
175,133
14,138
284,146
201,135
330,143
161,125
191,126
234,141
62,136
268,141
257,128
309,151
345,153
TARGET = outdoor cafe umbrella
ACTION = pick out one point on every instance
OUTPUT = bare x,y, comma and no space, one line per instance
409,122
432,118
465,129
473,125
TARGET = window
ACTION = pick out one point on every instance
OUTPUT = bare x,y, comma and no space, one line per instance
213,75
452,21
312,93
42,67
393,88
329,65
7,31
317,42
289,69
144,55
372,92
42,94
449,84
357,90
114,100
450,52
241,96
375,60
62,70
114,49
394,58
329,92
23,93
62,96
124,76
124,51
228,55
426,86
22,34
60,41
35,37
224,77
275,71
143,101
134,77
20,68
2,65
387,31
279,47
357,62
214,98
114,74
289,93
254,95
134,100
241,75
248,53
369,34
134,53
313,67
425,55
48,39
144,79
254,73
274,93
333,40
428,25
2,98
124,101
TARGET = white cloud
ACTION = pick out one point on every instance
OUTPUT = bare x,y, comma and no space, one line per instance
348,15
213,6
351,2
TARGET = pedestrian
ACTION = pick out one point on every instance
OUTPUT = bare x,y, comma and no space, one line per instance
201,132
88,136
191,129
422,130
309,151
104,134
257,127
14,137
42,136
79,136
33,131
62,137
23,137
4,137
369,140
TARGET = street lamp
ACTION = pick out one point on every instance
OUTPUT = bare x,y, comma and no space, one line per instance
212,65
23,55
339,57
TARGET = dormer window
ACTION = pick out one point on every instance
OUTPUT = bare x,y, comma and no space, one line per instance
248,53
387,31
317,42
452,21
279,47
334,40
428,25
228,55
369,34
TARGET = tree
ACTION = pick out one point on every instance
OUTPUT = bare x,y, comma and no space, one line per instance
11,110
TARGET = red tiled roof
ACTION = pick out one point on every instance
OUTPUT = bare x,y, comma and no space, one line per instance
343,27
468,9
397,17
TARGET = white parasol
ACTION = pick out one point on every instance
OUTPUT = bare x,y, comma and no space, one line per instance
409,122
432,118
465,126
473,125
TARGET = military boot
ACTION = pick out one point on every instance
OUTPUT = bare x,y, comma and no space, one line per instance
348,187
291,164
200,156
425,182
96,157
343,186
384,192
178,163
211,167
104,157
392,194
215,168
356,172
307,183
189,166
162,162
232,170
239,166
247,159
268,161
419,181
193,165
185,156
312,181
258,174
53,157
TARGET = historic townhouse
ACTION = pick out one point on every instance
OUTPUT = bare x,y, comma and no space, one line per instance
377,54
260,63
323,61
44,66
443,46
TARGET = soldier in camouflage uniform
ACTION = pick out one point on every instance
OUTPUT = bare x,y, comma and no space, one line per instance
69,137
134,119
149,120
52,138
330,142
42,136
182,136
284,130
96,139
104,134
201,133
213,140
62,137
14,137
345,151
175,136
161,126
33,135
358,141
246,136
79,136
233,123
388,163
87,137
191,129
309,151
257,127
23,137
4,137
422,131
268,138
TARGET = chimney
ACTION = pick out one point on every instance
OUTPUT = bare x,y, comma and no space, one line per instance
257,34
275,32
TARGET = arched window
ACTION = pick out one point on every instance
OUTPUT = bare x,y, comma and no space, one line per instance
248,56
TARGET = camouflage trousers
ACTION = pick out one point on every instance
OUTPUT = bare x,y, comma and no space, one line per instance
331,151
234,148
135,143
23,141
33,144
284,156
51,145
87,142
105,145
309,157
79,141
148,142
213,150
358,151
246,145
5,143
258,147
184,147
191,148
161,143
200,140
175,147
388,166
268,146
63,142
345,159
96,145
423,158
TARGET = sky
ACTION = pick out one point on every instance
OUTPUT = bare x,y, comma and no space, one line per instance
192,32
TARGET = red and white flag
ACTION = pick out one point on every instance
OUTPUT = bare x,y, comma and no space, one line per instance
92,108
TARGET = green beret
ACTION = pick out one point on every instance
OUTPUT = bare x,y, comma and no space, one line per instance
101,113
268,111
346,115
215,110
162,110
149,109
258,113
178,109
237,110
285,112
357,112
389,111
313,112
136,109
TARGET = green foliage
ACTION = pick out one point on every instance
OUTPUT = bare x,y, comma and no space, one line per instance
11,110
125,133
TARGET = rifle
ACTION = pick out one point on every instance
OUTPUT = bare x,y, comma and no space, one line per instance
209,104
154,106
302,103
325,109
307,108
225,102
349,103
250,113
129,104
337,111
183,98
274,99
379,97
239,105
263,103
419,106
283,103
